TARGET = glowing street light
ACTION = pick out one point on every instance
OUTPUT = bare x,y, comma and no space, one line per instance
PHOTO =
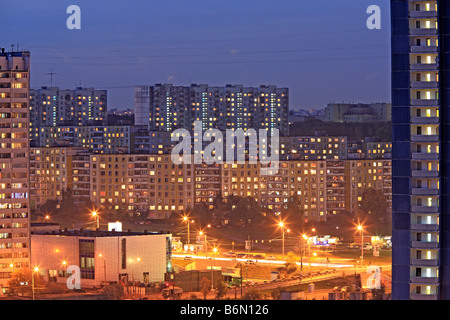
360,228
186,219
282,227
36,269
97,218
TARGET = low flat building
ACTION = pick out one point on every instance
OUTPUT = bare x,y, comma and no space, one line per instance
102,256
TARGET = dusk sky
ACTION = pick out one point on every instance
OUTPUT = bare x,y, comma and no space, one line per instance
320,49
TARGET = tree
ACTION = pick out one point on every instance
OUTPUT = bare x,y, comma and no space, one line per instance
251,294
113,291
205,286
374,205
201,214
377,294
243,211
294,212
21,281
276,294
67,203
221,289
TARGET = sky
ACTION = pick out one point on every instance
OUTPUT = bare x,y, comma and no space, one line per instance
321,50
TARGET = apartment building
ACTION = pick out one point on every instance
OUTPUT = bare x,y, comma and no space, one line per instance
164,107
150,184
420,266
14,157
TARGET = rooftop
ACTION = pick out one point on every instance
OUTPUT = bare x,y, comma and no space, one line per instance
94,233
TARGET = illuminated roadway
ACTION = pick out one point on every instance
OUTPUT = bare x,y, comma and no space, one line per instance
264,261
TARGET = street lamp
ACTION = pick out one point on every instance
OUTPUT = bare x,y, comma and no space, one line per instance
186,219
206,244
360,228
36,269
212,265
95,215
282,226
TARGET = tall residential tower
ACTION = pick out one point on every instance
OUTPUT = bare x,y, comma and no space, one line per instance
14,176
420,158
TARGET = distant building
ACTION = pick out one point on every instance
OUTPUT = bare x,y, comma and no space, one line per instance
53,107
102,256
164,107
348,112
313,148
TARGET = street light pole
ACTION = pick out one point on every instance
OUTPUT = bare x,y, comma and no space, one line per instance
32,279
360,228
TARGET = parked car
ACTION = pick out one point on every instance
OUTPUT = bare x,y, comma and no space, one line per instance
271,258
258,256
252,262
241,255
229,254
172,292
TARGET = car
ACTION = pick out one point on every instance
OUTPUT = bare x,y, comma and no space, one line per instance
188,258
241,255
271,258
252,262
258,256
229,254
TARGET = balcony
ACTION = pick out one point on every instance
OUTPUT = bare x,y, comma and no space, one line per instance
425,138
425,156
424,67
425,262
425,174
425,120
423,32
424,209
423,14
424,49
425,191
424,85
424,245
425,227
424,102
417,296
425,280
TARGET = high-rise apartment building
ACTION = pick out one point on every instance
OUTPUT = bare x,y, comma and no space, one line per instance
420,117
164,107
53,107
14,152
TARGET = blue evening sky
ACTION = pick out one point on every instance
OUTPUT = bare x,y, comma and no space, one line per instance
320,49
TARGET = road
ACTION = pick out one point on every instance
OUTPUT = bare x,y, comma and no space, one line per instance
270,262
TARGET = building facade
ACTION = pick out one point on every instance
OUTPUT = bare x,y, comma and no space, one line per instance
420,150
14,156
102,256
164,107
53,107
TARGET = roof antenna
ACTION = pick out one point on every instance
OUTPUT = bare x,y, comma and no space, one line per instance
51,73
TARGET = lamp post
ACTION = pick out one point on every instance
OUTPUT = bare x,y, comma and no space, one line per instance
282,226
186,219
206,244
360,228
212,270
304,238
95,215
36,269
